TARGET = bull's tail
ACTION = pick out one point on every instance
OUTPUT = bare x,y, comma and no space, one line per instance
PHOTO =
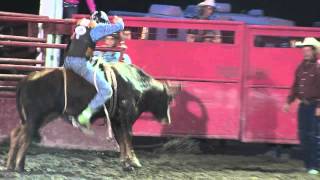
19,103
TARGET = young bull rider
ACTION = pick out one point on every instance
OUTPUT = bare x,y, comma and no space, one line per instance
80,50
306,88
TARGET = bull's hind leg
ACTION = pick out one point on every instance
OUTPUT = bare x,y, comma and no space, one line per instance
14,136
24,141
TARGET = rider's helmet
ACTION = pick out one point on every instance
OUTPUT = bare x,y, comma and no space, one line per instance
100,17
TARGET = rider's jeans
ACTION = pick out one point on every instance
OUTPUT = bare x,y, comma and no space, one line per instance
82,67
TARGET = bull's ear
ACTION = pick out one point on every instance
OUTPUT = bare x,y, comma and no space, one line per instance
173,88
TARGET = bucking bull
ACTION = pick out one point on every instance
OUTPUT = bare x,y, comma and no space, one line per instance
41,96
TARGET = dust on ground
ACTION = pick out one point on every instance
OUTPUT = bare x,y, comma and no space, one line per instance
172,161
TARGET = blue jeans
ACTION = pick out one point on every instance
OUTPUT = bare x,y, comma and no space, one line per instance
83,68
309,135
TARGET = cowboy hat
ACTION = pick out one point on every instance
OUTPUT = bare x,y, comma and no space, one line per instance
211,3
309,41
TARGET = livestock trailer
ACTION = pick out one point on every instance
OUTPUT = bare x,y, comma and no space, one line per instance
231,90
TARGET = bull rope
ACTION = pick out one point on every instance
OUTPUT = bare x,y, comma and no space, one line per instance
107,121
111,77
64,72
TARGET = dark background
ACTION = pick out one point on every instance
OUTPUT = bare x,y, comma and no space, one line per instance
302,12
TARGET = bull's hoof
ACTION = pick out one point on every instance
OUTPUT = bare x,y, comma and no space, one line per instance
127,167
135,162
10,168
20,170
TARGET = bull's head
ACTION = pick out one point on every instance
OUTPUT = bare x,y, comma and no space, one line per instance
168,93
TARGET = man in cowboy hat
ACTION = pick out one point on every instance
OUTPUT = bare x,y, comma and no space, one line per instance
306,89
206,9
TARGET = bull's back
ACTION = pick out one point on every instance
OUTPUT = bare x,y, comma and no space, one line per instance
42,83
133,77
39,92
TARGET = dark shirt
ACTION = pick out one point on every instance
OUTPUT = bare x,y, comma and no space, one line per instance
306,85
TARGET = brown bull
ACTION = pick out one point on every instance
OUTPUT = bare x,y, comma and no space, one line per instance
40,99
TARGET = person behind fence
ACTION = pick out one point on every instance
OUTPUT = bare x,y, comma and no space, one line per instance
191,35
126,34
80,50
112,41
306,89
206,9
212,36
71,7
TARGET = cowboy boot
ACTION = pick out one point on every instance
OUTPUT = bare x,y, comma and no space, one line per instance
84,117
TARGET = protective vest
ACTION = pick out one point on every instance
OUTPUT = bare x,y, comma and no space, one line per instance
81,44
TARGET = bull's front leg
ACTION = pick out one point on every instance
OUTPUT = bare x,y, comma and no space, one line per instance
133,160
127,114
131,157
127,159
118,133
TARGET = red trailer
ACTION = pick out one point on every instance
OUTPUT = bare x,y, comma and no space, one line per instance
233,90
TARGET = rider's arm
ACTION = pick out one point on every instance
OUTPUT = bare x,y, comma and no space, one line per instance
293,92
102,30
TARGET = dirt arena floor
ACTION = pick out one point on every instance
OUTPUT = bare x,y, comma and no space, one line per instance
173,160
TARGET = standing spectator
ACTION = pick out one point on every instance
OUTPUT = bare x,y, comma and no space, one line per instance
71,7
306,88
206,10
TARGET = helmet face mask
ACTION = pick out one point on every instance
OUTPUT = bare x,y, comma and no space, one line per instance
100,17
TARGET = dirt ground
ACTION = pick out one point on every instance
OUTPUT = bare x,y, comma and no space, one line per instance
174,160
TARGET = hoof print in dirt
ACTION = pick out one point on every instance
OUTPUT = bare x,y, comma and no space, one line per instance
127,167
